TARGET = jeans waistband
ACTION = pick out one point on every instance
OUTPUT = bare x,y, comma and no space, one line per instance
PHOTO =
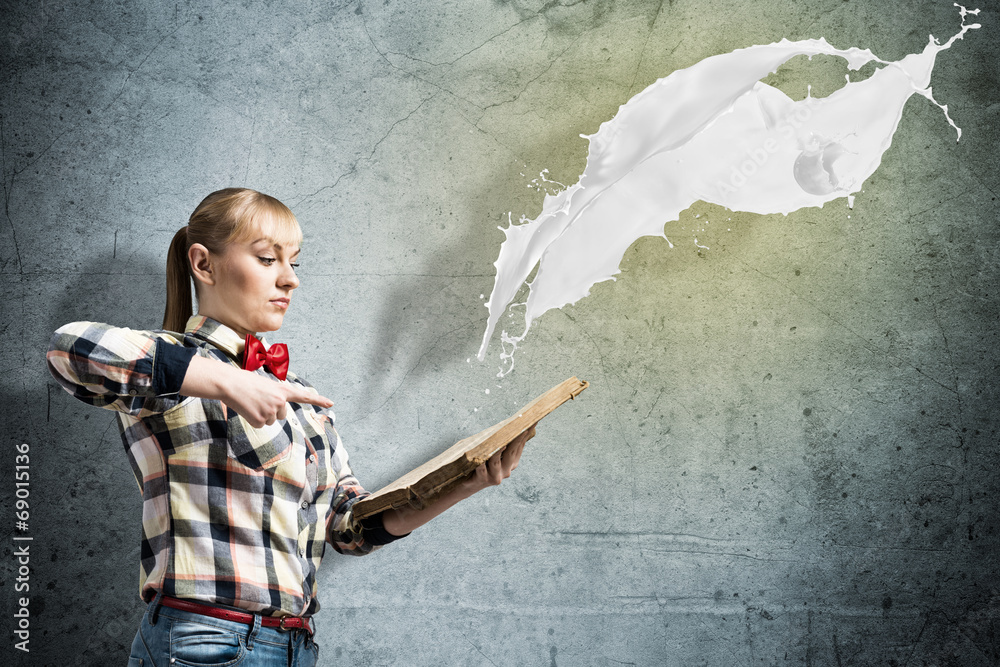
253,630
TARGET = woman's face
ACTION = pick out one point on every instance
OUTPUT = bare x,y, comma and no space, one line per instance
253,286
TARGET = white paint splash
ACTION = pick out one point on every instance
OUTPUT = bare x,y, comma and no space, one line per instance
712,132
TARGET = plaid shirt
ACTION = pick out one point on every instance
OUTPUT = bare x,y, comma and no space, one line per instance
231,514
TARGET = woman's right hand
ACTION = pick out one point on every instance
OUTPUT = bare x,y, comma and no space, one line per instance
258,399
261,400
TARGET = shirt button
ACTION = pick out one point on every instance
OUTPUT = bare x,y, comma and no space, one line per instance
132,392
305,504
312,458
302,552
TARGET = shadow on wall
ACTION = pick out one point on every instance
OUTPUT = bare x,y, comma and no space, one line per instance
93,566
420,320
105,293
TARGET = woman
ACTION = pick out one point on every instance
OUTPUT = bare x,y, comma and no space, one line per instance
243,477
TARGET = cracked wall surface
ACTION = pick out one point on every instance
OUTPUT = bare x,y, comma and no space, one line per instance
787,453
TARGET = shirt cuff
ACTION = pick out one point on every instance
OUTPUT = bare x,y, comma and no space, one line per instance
374,532
170,365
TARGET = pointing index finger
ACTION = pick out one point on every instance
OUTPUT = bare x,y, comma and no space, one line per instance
303,395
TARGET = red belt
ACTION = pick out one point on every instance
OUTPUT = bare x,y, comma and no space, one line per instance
282,622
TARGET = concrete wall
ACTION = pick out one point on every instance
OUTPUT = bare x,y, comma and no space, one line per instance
787,453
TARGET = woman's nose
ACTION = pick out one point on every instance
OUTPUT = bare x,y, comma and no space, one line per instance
288,279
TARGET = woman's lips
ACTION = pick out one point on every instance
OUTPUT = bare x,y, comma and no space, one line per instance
281,303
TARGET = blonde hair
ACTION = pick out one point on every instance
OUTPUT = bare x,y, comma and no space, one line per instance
232,215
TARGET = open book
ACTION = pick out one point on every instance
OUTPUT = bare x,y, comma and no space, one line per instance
422,485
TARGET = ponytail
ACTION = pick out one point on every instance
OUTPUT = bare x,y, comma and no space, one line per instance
179,307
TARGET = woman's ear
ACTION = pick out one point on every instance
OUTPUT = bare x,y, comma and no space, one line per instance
202,264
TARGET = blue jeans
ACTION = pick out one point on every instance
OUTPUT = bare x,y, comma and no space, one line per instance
174,638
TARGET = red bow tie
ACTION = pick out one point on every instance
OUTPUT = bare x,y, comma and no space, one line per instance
274,359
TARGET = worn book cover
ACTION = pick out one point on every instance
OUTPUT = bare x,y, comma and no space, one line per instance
422,485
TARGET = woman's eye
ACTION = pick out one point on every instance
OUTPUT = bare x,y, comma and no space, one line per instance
266,261
295,265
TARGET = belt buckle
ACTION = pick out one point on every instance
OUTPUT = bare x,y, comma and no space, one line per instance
308,627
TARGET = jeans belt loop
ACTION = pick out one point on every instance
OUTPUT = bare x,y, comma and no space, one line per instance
154,608
253,631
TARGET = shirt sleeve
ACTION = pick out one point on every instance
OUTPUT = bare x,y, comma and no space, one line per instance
117,368
347,536
374,531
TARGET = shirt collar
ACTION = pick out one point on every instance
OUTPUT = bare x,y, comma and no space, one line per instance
218,334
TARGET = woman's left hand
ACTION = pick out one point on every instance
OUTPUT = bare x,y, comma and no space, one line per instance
402,520
500,465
